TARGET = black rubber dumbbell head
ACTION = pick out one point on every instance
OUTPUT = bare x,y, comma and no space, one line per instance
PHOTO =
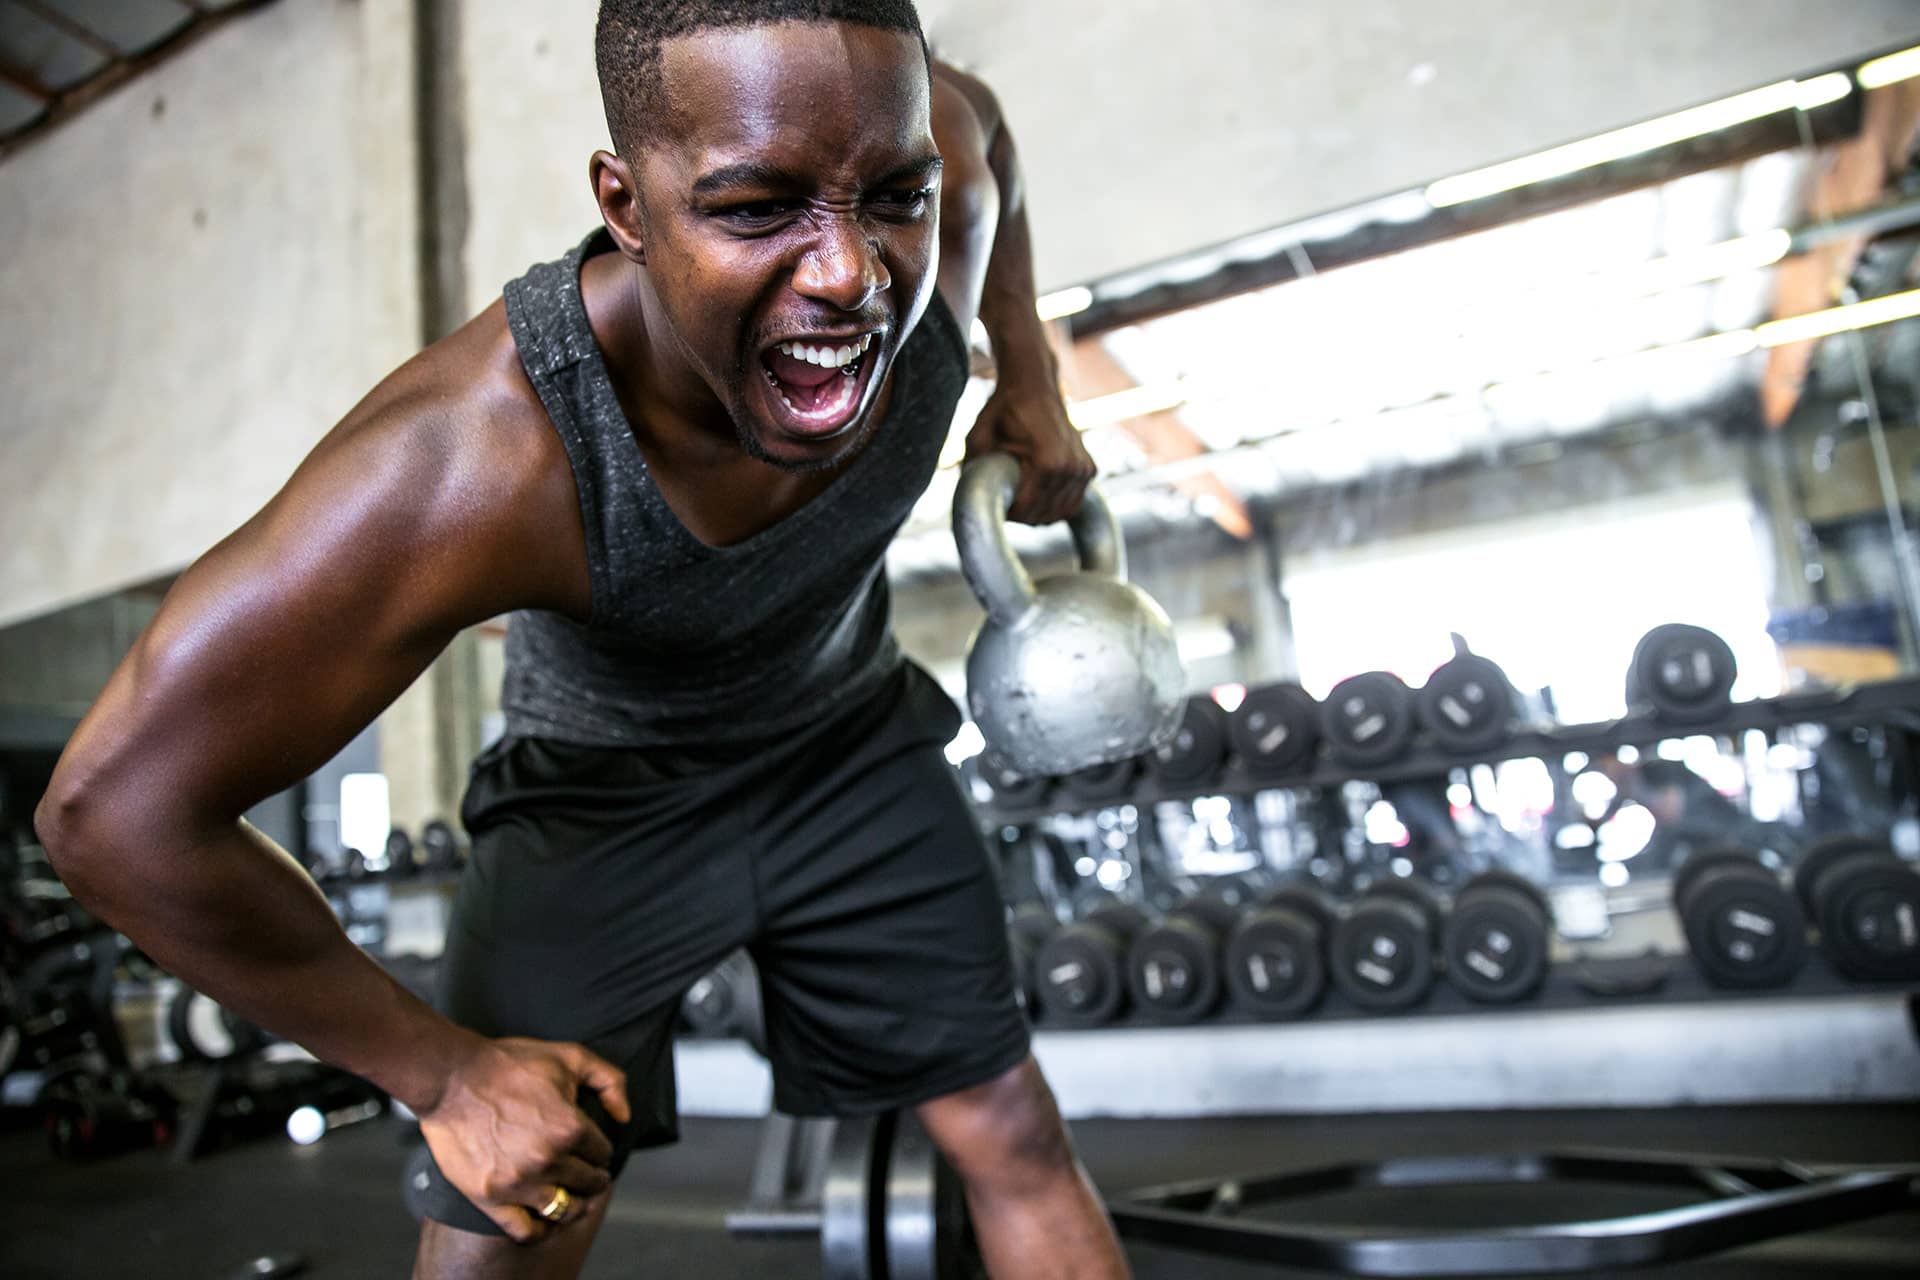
1368,719
1083,967
1744,929
1275,730
1028,929
1197,749
1102,782
1683,674
1467,705
1276,963
1173,967
1866,902
1498,938
1823,854
1381,953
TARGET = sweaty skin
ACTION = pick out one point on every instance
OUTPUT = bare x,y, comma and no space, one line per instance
445,499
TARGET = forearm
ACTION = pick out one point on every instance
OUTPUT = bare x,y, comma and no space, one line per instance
232,915
1007,301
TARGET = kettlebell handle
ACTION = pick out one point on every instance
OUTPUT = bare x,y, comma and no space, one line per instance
987,486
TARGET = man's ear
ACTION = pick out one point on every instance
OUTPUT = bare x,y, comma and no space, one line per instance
618,197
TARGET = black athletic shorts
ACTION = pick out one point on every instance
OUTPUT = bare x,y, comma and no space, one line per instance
605,882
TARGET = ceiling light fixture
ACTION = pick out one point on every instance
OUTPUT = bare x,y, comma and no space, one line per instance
1895,67
1648,135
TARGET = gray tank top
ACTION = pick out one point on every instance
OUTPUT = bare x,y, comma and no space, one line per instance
689,643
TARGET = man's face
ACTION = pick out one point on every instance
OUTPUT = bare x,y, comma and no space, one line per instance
790,202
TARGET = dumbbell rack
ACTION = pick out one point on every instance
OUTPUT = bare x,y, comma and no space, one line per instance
1895,702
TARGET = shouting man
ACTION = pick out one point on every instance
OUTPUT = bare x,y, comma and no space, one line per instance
676,456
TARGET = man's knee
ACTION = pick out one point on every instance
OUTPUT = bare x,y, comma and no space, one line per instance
1006,1130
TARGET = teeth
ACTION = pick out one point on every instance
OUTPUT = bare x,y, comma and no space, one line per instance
827,357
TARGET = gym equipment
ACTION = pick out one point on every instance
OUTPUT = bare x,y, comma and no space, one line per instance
1028,929
1083,967
1276,964
1367,719
1009,786
1743,928
873,1189
1174,964
1682,674
1497,938
1276,730
205,1031
1382,952
1866,904
441,848
726,1002
1078,670
1467,705
1101,782
400,855
1720,1204
1197,748
89,1117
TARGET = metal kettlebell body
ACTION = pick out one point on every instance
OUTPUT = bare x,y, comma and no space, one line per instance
1077,670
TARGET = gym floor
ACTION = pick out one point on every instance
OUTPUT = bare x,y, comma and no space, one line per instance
337,1203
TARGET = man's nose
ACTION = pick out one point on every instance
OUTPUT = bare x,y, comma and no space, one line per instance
842,267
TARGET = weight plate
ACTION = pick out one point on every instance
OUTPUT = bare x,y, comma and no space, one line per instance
1197,748
1870,916
1518,883
1309,900
1684,673
1496,943
1276,730
1274,963
1173,969
1009,787
1417,894
1467,705
853,1198
1381,953
1824,853
1743,928
1368,719
928,1233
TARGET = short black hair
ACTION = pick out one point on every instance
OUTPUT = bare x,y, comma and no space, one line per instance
627,42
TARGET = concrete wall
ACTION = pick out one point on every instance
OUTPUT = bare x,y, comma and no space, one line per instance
204,271
1151,127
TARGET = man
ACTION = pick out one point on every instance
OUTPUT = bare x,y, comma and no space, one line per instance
677,455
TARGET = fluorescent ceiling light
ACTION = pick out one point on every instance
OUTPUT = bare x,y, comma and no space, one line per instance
1715,262
1894,67
1067,302
1820,324
1648,135
1134,402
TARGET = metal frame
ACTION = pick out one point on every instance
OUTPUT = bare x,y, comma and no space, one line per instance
1751,1201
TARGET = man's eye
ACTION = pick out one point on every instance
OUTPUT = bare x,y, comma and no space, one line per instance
904,200
757,210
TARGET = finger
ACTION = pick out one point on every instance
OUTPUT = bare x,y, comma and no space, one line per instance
591,1145
519,1224
583,1178
1030,499
605,1079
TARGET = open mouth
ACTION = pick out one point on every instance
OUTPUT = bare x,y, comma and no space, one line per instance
818,387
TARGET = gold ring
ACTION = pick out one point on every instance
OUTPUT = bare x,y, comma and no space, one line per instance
556,1208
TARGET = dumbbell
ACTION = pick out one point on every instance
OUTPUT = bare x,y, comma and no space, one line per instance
1276,730
1866,903
1010,789
1382,952
1174,965
1197,748
400,854
1498,938
206,1031
441,848
1467,705
1367,719
1028,929
726,1001
1083,967
1102,782
1743,928
1682,674
1276,962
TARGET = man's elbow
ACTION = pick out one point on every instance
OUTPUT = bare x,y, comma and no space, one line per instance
73,826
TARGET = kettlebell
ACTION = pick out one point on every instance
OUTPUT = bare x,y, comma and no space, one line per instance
1077,670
